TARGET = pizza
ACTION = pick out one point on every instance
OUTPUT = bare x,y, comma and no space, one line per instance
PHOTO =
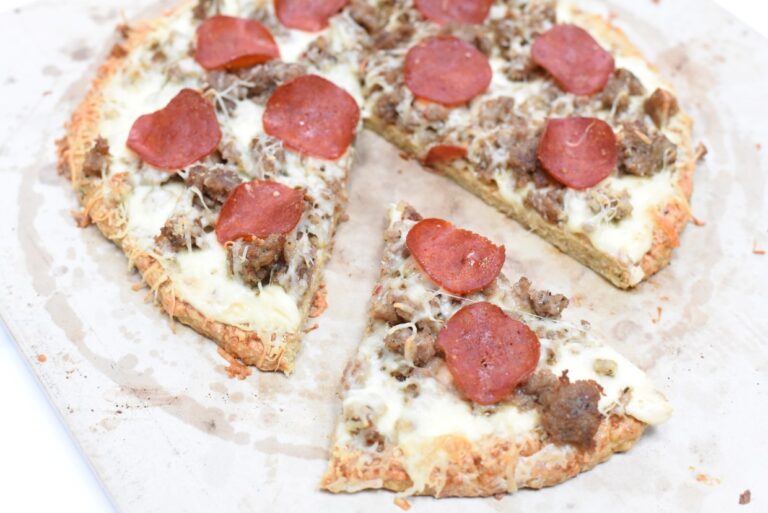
469,384
215,144
545,112
214,149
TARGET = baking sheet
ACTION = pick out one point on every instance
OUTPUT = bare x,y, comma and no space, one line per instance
167,430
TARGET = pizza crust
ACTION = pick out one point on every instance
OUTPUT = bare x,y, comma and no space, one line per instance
487,467
110,220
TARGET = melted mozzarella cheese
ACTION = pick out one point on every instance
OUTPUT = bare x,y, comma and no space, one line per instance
631,238
147,209
201,277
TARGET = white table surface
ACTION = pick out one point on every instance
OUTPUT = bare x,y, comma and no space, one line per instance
41,467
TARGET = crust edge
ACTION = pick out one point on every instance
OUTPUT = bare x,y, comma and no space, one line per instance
489,467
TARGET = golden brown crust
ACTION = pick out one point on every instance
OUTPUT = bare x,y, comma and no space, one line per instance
105,213
483,468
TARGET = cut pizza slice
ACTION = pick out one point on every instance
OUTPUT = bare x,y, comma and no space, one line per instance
546,113
466,384
213,149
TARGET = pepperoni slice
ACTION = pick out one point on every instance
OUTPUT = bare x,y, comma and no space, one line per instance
578,64
446,70
487,352
226,42
259,209
307,15
182,132
458,260
444,153
312,116
459,11
578,152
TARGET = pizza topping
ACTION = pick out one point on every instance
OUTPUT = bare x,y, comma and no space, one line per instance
487,352
542,302
181,133
642,154
258,209
549,203
254,259
214,183
312,116
268,155
617,92
578,152
446,70
661,106
442,153
513,35
510,146
388,39
571,415
578,64
569,411
227,42
97,159
255,83
367,16
181,232
203,8
386,108
418,346
497,111
307,15
457,260
458,11
609,204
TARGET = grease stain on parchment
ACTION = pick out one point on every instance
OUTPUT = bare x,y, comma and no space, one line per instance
138,383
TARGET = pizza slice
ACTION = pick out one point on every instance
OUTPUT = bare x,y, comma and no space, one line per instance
467,384
214,149
544,112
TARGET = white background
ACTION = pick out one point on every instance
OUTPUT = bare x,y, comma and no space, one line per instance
41,468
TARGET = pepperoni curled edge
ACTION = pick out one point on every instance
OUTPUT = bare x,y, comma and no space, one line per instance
441,153
459,11
578,152
446,70
312,116
226,42
457,260
578,64
307,15
259,209
487,352
179,134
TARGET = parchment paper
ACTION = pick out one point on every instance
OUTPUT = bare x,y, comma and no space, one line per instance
166,430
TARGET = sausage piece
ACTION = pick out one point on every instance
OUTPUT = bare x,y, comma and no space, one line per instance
215,182
571,415
254,259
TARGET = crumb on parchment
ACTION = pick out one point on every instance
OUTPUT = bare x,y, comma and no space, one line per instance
236,368
745,497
